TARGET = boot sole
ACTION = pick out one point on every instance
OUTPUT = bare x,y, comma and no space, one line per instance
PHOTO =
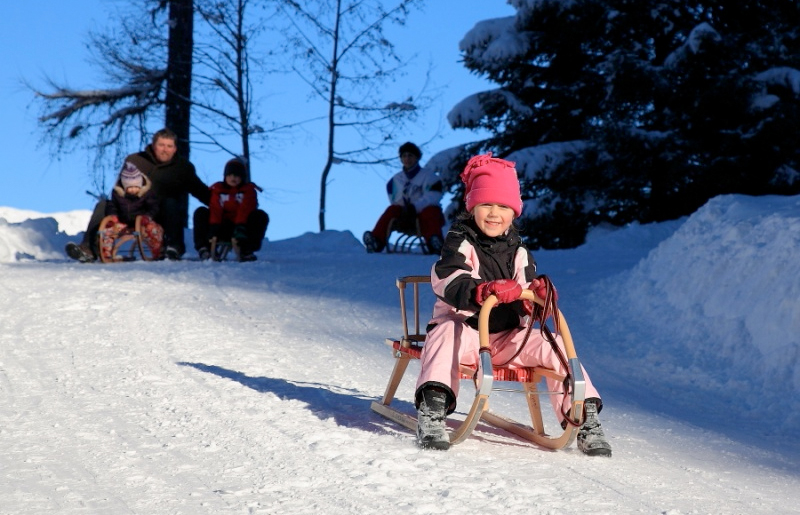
600,451
437,446
76,253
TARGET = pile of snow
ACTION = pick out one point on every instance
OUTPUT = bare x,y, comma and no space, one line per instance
30,235
714,311
195,387
69,222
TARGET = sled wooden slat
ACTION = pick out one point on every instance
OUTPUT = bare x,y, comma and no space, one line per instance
409,347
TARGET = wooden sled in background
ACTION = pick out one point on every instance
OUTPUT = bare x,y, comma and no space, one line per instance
404,237
409,346
127,244
220,249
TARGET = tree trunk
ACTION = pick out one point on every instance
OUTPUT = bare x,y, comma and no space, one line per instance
179,71
334,80
242,79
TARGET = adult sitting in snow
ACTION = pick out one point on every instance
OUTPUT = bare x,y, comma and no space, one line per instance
173,179
414,194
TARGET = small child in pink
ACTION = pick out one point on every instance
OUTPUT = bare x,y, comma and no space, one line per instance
483,255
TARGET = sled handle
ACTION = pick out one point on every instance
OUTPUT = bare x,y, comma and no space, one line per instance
491,301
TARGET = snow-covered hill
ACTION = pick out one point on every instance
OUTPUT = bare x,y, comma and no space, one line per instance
186,388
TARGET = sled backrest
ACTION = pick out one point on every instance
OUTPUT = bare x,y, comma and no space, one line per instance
413,334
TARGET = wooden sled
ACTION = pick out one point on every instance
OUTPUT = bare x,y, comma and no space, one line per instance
409,347
404,238
126,244
220,249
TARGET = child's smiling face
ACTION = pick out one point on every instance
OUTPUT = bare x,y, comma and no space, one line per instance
493,219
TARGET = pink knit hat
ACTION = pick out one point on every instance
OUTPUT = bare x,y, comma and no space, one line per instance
490,180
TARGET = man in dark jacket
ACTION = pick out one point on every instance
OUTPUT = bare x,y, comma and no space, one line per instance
173,179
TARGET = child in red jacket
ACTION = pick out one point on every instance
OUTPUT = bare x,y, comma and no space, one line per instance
232,213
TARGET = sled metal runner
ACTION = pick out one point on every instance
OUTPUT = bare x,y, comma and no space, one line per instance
485,376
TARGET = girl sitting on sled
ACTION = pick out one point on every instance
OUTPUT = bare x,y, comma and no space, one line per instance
131,197
482,256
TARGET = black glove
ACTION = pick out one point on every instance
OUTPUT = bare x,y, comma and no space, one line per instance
213,231
239,233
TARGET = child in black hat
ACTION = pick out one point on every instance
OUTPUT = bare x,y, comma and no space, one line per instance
232,214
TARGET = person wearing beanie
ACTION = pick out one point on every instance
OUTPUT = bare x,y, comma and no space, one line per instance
132,196
130,177
237,168
482,256
172,179
232,214
414,197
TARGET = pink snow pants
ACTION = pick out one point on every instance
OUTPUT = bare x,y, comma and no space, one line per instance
452,341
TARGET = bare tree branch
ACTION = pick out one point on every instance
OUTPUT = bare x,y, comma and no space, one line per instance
361,61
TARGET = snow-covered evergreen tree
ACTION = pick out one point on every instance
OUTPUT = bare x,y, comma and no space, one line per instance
634,110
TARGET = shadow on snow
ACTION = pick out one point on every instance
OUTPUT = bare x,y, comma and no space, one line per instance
349,408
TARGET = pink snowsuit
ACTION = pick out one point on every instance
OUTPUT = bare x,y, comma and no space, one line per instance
468,259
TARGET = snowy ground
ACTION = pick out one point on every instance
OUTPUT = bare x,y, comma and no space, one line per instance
193,388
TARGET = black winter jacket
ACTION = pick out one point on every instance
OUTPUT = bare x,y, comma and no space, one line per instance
497,258
176,179
127,207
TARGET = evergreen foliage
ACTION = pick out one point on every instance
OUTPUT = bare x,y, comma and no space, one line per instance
635,110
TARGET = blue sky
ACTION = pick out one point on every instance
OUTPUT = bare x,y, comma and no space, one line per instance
48,37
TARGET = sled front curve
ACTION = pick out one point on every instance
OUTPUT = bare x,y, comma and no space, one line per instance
145,250
126,243
536,432
484,376
124,246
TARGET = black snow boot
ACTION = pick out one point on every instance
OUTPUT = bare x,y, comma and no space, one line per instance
371,243
431,428
591,440
80,252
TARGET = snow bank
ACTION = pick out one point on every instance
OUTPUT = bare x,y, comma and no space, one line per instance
715,308
69,222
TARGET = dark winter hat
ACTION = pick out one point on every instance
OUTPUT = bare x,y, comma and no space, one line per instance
490,180
411,149
236,167
130,176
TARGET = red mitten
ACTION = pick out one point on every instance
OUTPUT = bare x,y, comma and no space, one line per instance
539,287
506,290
